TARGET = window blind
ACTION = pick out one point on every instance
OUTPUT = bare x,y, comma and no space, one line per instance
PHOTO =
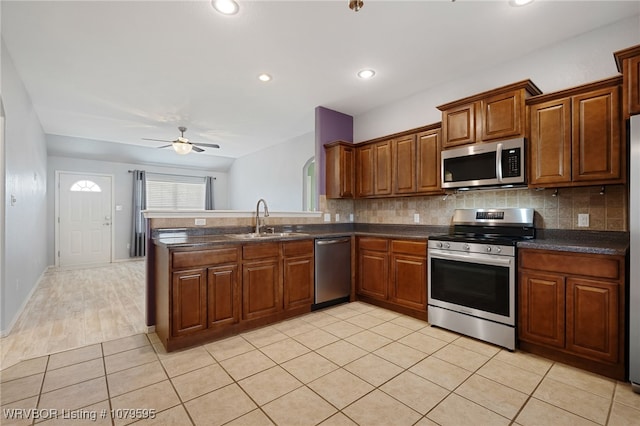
172,192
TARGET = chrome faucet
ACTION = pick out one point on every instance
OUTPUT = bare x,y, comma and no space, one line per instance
266,213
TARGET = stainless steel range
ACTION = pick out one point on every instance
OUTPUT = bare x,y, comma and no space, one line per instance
472,273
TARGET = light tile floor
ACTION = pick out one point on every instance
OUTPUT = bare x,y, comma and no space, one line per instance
350,364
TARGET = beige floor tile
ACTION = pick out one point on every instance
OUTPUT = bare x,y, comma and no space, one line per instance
623,415
400,354
572,399
153,338
158,397
270,384
342,312
63,359
76,373
301,407
423,342
294,327
373,369
132,358
383,314
135,378
537,413
418,393
510,375
439,333
228,348
340,388
365,321
624,394
253,418
264,336
125,344
440,372
426,422
21,388
378,408
95,414
368,341
482,348
319,319
24,369
581,379
361,307
198,382
220,406
392,331
176,416
247,364
75,396
181,362
316,339
284,350
409,322
526,361
338,419
12,414
455,410
309,367
462,357
492,395
342,329
341,352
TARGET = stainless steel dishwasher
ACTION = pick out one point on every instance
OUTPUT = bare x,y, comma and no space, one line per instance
333,271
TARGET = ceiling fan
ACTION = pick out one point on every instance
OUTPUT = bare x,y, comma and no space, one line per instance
182,145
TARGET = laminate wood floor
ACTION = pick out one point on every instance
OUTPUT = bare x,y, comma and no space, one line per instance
80,307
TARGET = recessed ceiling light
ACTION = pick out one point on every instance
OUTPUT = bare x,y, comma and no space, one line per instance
264,77
226,7
518,3
366,74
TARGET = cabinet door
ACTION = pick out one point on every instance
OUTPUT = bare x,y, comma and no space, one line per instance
298,281
592,318
428,162
373,274
631,85
223,296
597,148
503,116
404,165
409,281
364,171
542,309
188,302
550,142
382,173
340,171
459,126
261,288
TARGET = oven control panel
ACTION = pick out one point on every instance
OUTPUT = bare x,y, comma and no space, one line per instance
461,246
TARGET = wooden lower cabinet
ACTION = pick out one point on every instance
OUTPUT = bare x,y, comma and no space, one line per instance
572,309
189,294
260,289
408,285
298,273
223,296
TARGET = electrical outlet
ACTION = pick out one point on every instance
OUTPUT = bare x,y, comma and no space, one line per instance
337,217
128,246
416,217
201,222
583,220
327,217
350,217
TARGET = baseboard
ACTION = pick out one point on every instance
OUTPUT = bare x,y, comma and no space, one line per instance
7,331
130,259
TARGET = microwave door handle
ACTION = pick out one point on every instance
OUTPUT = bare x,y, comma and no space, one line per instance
499,162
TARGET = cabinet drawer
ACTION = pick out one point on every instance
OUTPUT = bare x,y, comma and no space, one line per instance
418,248
189,259
378,244
600,266
297,248
260,251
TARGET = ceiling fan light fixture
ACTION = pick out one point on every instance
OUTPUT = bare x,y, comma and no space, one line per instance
366,74
182,148
355,5
518,3
264,77
226,7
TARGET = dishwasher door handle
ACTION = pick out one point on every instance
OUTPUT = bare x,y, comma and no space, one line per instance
338,241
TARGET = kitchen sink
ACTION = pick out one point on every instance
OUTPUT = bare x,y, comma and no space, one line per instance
265,235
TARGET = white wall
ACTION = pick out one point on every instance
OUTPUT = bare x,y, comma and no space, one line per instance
576,61
25,166
123,194
274,174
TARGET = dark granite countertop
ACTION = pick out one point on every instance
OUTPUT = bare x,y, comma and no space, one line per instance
595,242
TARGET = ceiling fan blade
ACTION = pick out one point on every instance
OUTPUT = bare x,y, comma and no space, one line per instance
210,145
196,149
156,140
165,146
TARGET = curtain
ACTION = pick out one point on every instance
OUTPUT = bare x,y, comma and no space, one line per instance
208,193
138,232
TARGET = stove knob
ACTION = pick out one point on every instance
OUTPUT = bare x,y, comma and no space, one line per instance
498,250
439,244
447,245
488,249
466,247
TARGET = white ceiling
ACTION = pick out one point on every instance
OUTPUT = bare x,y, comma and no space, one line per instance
119,71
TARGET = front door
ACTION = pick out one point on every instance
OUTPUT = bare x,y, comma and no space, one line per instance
84,219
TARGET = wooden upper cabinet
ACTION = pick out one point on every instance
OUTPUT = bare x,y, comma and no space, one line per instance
628,61
340,169
489,116
364,171
428,161
382,161
404,165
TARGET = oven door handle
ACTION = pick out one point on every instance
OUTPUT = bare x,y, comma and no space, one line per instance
485,260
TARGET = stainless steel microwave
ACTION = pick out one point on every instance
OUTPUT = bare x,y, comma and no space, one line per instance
486,164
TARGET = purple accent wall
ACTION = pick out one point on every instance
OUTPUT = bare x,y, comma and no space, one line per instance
330,126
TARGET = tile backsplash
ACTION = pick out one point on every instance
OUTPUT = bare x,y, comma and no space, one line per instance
607,211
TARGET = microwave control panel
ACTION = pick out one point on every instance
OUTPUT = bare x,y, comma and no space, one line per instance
511,162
